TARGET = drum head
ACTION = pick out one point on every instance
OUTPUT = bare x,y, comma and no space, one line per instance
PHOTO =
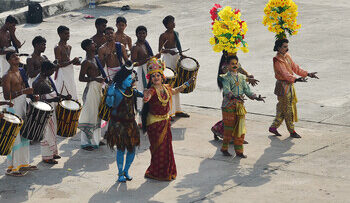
42,106
70,104
189,64
168,73
11,118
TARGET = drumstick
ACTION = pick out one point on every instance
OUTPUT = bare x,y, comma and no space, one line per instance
183,51
161,49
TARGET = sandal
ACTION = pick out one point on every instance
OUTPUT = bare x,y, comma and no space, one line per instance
16,174
50,161
88,148
29,168
56,156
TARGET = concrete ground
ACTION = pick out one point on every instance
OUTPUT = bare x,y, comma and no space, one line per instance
314,168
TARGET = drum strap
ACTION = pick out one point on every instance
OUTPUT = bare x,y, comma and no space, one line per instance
177,41
53,85
101,69
149,49
118,48
24,76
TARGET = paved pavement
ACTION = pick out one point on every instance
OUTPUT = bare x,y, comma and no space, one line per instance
314,168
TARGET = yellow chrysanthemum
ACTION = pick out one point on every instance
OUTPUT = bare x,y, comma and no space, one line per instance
229,31
280,17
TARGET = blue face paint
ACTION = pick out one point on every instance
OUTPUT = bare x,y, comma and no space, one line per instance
127,82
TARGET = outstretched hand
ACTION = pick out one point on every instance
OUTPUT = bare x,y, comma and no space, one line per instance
260,98
253,81
147,95
313,75
301,79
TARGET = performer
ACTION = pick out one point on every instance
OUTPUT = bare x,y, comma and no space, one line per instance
45,87
156,121
112,54
120,36
34,62
99,38
122,129
171,54
64,76
234,88
218,128
141,52
285,68
15,88
89,122
8,42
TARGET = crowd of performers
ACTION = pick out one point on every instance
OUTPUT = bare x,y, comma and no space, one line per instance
134,82
128,77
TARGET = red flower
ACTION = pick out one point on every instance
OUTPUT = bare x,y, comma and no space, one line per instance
217,5
237,11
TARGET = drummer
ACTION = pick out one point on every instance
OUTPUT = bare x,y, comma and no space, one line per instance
99,38
8,40
89,122
120,36
141,52
170,46
14,88
111,54
45,87
35,60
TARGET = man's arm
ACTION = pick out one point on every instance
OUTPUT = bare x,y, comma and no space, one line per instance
14,39
129,42
101,56
296,69
134,54
8,94
125,55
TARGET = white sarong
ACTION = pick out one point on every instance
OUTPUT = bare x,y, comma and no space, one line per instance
66,75
141,84
171,62
49,143
4,65
112,71
89,122
19,156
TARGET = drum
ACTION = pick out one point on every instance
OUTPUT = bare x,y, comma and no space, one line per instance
186,68
170,75
68,112
38,114
10,126
104,111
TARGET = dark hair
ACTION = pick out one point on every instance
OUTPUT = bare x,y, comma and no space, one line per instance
224,59
279,43
141,28
47,66
61,29
9,54
11,19
37,40
121,19
109,28
100,21
167,20
85,43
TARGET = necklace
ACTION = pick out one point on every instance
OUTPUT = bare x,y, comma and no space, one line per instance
163,101
130,95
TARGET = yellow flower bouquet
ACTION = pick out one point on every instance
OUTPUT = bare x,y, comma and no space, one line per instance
228,29
281,17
